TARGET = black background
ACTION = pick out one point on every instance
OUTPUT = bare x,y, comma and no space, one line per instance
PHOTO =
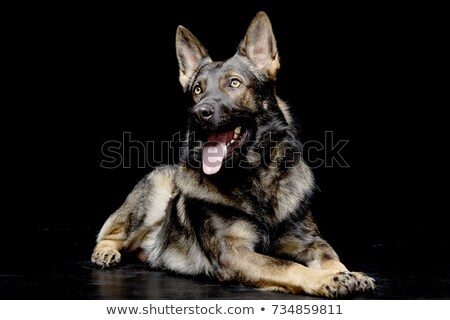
89,74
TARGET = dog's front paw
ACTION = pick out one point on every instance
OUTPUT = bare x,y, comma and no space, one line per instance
343,283
105,257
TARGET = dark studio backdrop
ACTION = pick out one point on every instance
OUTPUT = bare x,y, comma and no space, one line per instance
109,74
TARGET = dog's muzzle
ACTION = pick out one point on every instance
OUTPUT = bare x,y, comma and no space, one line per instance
203,112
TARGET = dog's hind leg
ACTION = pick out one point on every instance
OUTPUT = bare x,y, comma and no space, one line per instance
142,212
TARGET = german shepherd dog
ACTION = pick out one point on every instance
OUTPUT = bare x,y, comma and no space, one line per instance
235,208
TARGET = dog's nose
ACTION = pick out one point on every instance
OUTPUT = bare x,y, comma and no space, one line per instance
204,112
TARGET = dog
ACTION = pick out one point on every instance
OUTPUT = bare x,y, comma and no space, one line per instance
236,206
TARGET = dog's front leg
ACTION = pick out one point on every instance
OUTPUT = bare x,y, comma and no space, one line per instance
258,270
319,255
233,256
302,243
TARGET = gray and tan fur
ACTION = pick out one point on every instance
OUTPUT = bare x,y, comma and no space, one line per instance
247,221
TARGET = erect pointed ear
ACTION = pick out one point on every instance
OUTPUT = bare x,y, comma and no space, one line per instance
190,54
259,45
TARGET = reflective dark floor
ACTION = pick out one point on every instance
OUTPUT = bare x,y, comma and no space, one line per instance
61,270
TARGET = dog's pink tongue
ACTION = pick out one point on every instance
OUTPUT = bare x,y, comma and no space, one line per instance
213,152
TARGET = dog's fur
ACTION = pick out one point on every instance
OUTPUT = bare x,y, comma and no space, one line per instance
241,216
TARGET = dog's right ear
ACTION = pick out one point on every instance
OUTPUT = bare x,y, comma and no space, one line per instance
259,45
191,55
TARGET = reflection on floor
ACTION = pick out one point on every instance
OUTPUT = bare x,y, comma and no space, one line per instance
64,272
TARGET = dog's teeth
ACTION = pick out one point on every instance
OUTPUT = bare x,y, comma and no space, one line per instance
237,130
232,141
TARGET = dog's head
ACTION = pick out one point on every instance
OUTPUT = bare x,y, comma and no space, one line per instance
232,100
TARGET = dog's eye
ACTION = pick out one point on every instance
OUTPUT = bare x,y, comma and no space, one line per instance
197,90
235,83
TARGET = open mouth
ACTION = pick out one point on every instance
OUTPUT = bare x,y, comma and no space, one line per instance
219,146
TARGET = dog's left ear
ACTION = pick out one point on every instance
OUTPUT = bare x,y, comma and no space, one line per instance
259,45
191,55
